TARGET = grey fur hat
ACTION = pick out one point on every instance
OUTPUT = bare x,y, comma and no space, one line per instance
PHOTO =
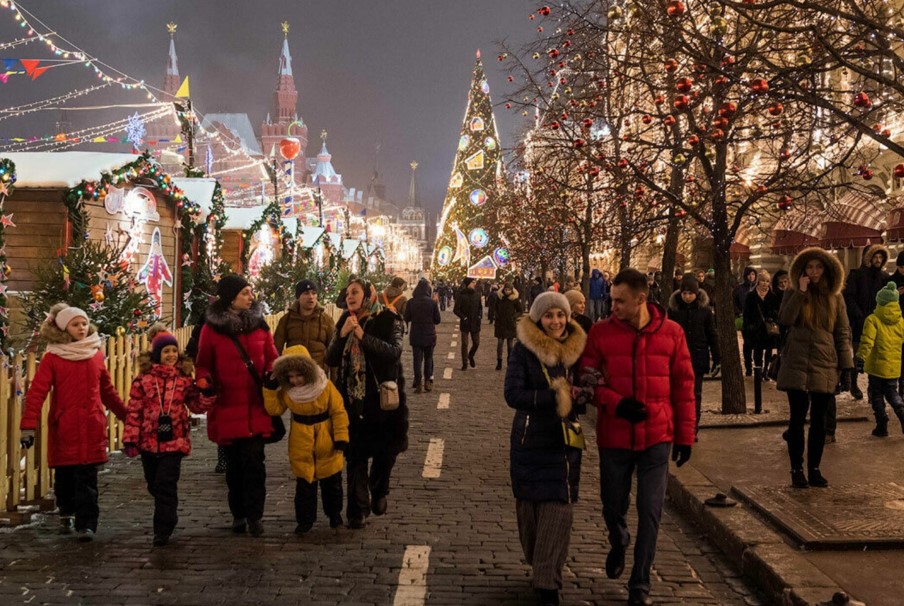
548,300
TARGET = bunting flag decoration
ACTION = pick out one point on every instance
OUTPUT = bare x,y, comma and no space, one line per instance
21,67
183,92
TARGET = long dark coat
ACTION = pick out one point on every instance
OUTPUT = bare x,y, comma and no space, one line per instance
861,287
699,324
468,309
422,312
508,309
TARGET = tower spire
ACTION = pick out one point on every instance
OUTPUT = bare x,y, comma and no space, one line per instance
171,79
412,188
285,58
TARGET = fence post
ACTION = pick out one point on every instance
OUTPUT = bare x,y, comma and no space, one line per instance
5,448
15,413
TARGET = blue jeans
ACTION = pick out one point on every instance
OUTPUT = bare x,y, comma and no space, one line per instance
880,390
616,470
595,309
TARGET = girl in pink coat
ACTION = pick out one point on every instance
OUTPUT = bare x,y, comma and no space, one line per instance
73,366
159,423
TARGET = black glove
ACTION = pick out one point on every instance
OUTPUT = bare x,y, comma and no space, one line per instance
341,446
846,379
859,365
631,410
270,382
27,438
681,454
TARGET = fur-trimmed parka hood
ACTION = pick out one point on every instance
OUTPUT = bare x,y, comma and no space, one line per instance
295,359
701,301
834,270
549,351
219,318
51,333
870,251
512,297
185,364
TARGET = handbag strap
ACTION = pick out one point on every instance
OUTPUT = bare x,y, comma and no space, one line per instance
248,363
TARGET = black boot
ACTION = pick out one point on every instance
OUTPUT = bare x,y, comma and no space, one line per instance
855,389
816,479
547,597
881,430
900,415
498,363
798,479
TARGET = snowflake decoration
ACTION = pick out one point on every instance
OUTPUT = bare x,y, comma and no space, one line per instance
135,130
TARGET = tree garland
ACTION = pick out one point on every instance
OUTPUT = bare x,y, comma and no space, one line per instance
272,216
204,272
7,182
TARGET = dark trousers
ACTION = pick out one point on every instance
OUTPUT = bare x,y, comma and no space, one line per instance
761,357
544,528
699,372
508,348
161,472
616,470
800,402
423,358
879,391
465,352
306,498
442,303
246,478
75,487
595,309
364,486
901,380
748,356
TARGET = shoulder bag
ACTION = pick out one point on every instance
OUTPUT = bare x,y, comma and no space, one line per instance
279,428
572,434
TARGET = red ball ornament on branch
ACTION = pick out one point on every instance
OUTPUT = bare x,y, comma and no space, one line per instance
784,203
289,148
545,10
684,85
675,8
668,120
681,102
588,122
776,109
670,65
647,119
579,143
759,86
861,99
727,110
899,171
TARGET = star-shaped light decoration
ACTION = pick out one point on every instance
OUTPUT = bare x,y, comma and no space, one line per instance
7,220
3,288
4,189
96,306
186,260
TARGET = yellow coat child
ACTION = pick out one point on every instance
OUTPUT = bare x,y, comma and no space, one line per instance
318,434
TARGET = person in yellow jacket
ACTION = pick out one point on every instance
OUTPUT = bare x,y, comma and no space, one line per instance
880,349
318,435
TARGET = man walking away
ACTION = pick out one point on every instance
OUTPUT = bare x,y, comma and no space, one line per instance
469,312
597,294
860,291
645,405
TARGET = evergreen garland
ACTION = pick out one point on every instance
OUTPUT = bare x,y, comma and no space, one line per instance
7,184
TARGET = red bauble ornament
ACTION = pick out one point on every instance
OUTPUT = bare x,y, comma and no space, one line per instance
670,65
776,109
289,148
684,85
784,203
861,99
554,126
623,163
720,123
668,120
579,143
659,99
545,10
137,313
647,119
554,53
693,140
899,171
588,122
681,102
759,86
675,8
718,133
727,110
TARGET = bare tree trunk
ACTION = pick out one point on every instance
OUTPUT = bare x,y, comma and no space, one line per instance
734,395
670,249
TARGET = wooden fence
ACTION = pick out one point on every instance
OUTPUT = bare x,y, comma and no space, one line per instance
26,478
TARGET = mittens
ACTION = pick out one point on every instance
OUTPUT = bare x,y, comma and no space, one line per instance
270,382
681,454
341,446
631,410
27,438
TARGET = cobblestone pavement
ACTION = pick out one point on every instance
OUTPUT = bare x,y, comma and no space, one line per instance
466,517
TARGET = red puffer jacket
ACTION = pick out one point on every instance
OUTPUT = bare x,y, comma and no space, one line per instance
159,389
239,411
77,422
654,366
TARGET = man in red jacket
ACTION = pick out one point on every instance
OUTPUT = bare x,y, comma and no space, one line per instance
644,392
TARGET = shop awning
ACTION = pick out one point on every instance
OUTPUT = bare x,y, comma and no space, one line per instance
856,220
739,252
795,231
894,225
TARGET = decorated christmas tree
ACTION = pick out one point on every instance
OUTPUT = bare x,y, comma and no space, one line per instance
468,242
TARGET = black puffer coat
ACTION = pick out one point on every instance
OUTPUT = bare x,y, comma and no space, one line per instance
508,309
542,467
373,430
468,309
699,326
422,312
757,312
861,287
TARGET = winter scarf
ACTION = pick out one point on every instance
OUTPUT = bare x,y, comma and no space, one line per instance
77,351
356,379
309,391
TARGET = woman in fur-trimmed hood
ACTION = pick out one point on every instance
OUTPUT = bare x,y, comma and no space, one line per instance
816,351
544,471
234,329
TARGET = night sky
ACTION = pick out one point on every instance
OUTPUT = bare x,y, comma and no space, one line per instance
394,72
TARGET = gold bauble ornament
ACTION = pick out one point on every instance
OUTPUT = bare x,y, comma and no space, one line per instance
99,297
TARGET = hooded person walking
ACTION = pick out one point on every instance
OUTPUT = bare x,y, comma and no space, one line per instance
422,312
508,310
469,312
236,350
880,352
816,353
545,470
860,291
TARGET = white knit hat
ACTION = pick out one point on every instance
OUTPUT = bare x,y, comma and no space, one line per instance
66,315
546,301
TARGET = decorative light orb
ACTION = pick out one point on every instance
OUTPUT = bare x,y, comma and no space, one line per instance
478,197
444,256
501,256
479,237
289,148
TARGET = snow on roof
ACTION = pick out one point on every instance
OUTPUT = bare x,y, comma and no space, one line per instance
335,241
310,236
199,191
241,217
350,247
291,224
63,169
239,124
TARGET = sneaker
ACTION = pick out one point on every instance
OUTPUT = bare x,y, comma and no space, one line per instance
336,520
85,535
428,386
66,524
239,525
304,528
161,539
798,479
356,523
615,562
256,528
221,467
379,506
816,479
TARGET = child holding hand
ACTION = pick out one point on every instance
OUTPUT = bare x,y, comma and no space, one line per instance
73,366
158,425
318,435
